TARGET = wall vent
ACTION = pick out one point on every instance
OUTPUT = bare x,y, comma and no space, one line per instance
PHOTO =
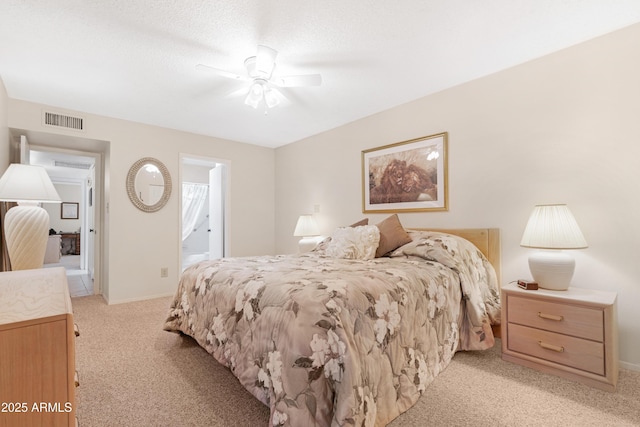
75,165
63,121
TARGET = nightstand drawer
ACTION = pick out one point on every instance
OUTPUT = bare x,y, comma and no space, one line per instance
569,351
566,319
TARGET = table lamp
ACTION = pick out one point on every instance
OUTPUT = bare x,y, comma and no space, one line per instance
26,226
552,228
307,228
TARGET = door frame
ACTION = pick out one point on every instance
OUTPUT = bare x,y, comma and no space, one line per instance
96,271
206,161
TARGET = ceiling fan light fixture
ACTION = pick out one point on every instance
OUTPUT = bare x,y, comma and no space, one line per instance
263,85
256,93
270,98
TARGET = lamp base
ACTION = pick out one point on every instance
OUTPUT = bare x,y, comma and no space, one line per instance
552,269
27,231
307,243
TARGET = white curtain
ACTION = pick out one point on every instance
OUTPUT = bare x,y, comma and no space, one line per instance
193,198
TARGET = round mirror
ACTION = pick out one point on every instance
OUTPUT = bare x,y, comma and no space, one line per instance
148,184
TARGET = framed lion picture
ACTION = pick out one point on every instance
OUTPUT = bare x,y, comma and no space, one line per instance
408,176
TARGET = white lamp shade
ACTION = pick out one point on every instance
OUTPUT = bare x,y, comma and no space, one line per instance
27,183
552,227
306,226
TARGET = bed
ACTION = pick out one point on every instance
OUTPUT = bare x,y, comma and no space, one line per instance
344,342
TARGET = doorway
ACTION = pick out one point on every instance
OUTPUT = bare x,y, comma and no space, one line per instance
77,176
203,223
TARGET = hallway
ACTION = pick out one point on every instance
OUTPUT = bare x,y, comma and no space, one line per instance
80,283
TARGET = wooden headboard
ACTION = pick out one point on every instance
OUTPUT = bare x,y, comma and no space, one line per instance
486,239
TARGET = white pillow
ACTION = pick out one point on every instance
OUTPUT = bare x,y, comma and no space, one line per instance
354,242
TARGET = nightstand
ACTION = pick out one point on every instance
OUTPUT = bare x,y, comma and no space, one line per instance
572,333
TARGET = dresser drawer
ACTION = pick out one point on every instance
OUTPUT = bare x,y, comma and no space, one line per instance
566,319
569,351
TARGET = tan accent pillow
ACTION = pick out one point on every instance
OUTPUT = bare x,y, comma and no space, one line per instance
392,235
364,221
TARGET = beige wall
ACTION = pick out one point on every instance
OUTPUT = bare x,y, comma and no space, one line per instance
4,130
561,129
140,244
70,193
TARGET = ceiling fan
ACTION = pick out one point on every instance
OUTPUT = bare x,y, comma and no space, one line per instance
263,84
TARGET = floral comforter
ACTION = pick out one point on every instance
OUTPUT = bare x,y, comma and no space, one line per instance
338,342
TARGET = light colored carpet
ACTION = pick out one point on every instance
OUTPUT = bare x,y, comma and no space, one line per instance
132,373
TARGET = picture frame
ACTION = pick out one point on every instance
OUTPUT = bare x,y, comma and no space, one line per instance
69,210
407,176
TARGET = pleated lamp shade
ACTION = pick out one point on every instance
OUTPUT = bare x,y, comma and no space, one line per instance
306,227
552,228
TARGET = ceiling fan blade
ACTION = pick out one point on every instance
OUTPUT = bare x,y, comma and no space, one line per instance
265,60
237,92
284,99
220,72
298,81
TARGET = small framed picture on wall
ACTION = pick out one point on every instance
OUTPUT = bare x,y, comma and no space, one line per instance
69,210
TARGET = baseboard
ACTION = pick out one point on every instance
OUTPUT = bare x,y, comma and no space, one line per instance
123,301
629,366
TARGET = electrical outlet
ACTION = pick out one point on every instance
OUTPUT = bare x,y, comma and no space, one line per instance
164,272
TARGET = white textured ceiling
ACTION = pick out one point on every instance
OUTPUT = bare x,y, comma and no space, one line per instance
135,59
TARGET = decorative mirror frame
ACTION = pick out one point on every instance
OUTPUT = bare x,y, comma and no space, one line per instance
131,184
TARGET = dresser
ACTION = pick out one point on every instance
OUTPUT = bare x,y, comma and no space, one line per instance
70,243
37,349
572,333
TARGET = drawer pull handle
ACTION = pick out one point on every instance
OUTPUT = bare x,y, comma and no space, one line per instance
551,347
550,316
